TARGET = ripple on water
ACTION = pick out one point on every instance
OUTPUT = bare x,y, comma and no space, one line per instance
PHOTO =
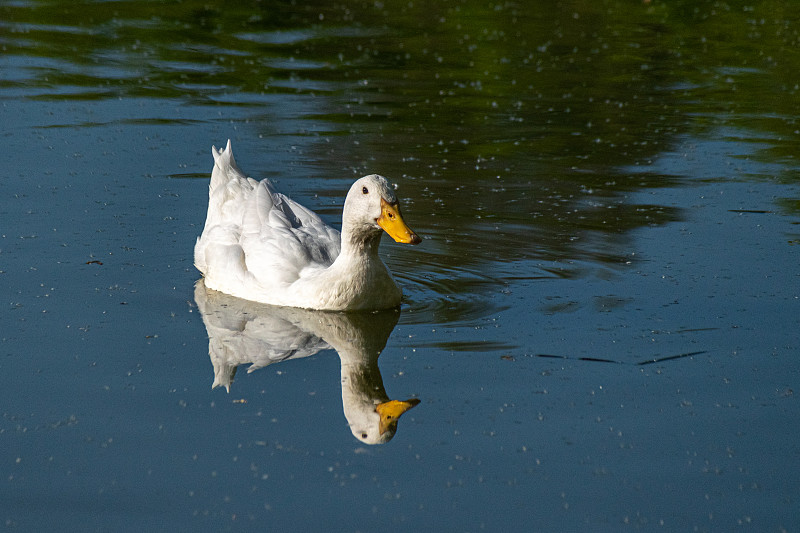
441,294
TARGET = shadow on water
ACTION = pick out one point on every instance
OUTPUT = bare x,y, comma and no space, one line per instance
242,332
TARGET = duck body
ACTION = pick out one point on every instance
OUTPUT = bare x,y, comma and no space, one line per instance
260,245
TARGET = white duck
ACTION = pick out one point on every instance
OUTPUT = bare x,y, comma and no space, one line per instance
260,245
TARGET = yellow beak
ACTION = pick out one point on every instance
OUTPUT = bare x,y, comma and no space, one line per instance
390,412
393,224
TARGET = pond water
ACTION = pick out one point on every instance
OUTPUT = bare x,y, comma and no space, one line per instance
599,330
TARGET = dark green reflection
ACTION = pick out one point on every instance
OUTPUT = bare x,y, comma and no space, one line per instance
524,130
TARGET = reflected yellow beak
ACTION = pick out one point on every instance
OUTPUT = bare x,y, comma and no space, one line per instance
392,223
390,411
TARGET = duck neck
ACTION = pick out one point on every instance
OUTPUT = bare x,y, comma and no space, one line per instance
360,242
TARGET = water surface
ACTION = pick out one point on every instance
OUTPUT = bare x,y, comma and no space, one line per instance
600,325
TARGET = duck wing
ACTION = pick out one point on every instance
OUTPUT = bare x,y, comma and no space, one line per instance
281,238
256,241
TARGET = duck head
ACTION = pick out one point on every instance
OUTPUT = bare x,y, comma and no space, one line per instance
371,206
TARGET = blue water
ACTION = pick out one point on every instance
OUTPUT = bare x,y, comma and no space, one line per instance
600,324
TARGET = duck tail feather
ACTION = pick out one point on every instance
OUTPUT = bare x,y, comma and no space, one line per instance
223,163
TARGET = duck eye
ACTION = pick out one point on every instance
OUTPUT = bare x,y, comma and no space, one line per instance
364,190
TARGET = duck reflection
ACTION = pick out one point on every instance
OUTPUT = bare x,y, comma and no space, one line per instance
241,332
